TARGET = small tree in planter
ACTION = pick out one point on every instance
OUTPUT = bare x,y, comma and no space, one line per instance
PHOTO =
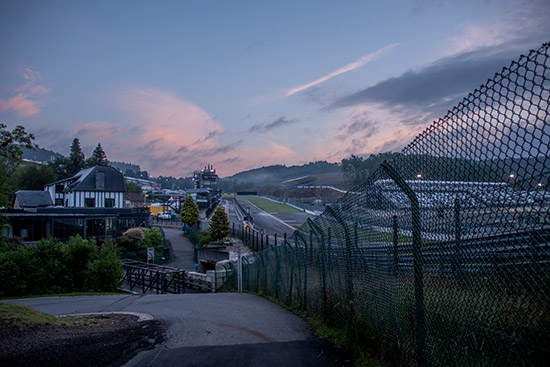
189,211
219,228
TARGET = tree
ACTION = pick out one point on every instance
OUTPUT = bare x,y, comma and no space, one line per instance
219,228
76,158
133,187
189,211
61,167
10,157
357,170
10,142
98,158
32,177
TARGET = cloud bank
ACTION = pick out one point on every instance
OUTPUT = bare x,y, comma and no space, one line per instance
437,86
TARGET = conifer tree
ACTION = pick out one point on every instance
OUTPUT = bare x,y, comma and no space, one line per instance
219,228
189,211
98,158
76,158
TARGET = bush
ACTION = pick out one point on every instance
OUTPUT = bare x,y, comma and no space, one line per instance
153,238
132,239
205,238
106,270
134,248
80,254
50,266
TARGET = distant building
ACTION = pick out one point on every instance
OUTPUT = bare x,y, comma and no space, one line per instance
95,187
205,179
134,200
205,189
146,185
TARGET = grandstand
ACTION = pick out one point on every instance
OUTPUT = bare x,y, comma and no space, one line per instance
443,194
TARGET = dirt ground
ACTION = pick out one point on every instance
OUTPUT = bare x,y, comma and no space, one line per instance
110,342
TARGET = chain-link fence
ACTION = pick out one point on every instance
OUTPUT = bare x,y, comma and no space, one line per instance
442,256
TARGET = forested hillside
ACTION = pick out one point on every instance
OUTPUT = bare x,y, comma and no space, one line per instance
276,174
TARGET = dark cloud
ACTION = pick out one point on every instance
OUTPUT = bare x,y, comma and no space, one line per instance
357,124
264,128
437,86
231,160
212,134
150,145
225,148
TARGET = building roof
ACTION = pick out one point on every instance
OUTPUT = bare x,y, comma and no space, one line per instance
98,178
197,191
32,199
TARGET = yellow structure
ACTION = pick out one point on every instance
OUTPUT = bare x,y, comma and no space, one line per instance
156,209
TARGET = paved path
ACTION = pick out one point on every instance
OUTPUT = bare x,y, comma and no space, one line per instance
223,329
181,249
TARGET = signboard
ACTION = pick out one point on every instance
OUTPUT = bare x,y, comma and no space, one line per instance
150,254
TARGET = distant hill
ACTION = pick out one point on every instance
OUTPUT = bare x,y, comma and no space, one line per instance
331,173
123,166
40,155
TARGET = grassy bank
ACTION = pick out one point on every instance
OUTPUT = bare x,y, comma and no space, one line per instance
23,317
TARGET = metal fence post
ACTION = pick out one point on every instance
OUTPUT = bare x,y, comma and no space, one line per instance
304,304
395,242
310,246
420,322
329,250
457,261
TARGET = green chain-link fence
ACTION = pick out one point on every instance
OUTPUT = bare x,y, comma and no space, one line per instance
442,256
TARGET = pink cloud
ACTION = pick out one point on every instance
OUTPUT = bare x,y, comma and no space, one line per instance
170,136
22,105
26,102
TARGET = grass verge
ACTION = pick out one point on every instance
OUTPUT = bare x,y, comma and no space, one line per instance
72,294
269,206
23,317
357,353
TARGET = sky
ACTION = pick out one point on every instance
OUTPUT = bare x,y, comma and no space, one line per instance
176,85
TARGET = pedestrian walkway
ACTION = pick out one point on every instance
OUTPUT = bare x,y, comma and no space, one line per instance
181,250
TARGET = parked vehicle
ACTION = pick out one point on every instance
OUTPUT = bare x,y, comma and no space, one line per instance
164,216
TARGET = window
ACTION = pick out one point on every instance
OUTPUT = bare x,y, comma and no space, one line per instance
89,203
109,203
59,202
100,180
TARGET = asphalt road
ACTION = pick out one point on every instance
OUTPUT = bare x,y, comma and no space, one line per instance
230,329
272,223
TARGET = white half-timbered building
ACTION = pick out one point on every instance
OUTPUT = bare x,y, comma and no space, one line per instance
95,187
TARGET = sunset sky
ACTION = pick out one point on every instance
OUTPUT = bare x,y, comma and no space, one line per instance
176,85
